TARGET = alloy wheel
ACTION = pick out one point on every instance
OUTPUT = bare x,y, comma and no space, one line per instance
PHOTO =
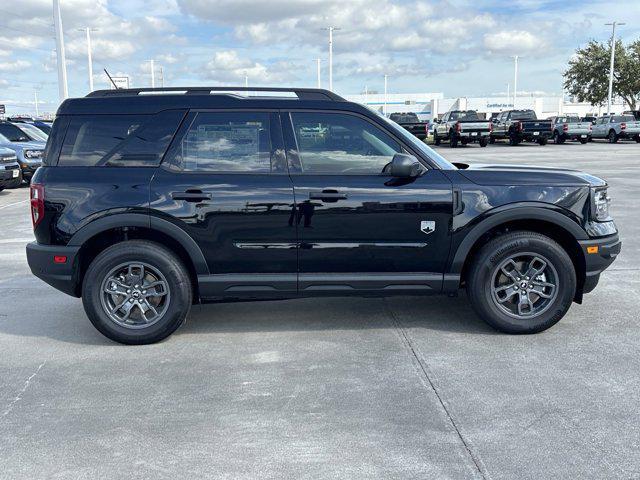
524,285
135,295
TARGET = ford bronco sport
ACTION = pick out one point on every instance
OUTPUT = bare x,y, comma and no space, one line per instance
150,200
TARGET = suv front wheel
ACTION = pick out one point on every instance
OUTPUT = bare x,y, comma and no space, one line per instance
521,282
137,292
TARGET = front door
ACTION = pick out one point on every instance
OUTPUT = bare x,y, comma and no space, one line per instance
225,183
359,228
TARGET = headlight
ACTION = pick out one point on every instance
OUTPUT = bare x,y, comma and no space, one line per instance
33,154
600,201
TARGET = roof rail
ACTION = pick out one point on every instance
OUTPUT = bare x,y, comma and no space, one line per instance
301,93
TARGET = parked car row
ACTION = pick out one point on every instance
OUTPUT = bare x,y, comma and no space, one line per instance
461,127
21,150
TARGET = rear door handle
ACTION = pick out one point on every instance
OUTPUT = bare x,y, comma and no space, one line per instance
191,196
327,196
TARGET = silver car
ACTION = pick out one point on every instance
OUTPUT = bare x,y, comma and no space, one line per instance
616,127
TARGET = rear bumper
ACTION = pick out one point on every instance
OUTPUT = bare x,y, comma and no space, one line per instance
599,259
62,276
532,137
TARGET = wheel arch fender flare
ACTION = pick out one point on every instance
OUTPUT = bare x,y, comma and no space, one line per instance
150,222
519,211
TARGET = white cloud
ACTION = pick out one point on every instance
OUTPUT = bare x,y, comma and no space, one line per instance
514,42
227,66
14,66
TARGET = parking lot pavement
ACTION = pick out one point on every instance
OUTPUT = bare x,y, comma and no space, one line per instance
329,388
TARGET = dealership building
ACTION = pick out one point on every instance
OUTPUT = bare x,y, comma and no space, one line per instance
429,105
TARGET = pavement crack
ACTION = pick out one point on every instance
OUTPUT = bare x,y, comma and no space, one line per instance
423,371
24,389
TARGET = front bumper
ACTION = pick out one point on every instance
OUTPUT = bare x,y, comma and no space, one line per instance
63,276
28,169
598,254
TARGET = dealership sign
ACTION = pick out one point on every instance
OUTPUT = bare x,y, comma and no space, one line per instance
120,82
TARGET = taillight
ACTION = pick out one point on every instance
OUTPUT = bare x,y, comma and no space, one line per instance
623,126
37,203
520,127
458,127
565,127
490,127
590,127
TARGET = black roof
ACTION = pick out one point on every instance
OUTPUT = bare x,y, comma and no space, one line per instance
152,100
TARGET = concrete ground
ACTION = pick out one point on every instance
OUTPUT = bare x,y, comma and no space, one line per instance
404,388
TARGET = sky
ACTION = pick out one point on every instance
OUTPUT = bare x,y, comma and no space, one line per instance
458,47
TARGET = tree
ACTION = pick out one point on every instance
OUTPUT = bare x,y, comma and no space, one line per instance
587,77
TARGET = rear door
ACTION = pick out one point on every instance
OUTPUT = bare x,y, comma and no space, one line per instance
225,182
359,228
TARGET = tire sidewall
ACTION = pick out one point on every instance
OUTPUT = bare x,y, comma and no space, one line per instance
156,256
489,260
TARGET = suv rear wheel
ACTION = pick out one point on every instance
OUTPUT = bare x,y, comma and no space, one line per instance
137,292
521,282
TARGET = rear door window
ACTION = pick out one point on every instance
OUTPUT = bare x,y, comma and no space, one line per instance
228,142
118,140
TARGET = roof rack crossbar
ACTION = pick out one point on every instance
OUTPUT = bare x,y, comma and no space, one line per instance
301,93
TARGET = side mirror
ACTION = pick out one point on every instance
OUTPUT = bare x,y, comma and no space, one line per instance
404,166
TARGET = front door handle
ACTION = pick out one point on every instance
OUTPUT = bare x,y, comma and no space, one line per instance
327,196
191,196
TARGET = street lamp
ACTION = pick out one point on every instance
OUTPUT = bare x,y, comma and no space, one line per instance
89,59
60,57
613,54
331,30
515,79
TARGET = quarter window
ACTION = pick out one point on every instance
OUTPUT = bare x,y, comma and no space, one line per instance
118,140
336,144
227,142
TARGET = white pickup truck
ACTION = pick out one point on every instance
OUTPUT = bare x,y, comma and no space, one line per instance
617,127
570,127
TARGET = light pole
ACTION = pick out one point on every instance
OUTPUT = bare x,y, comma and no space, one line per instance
515,80
35,94
331,29
153,76
318,72
384,109
60,57
613,55
89,59
246,80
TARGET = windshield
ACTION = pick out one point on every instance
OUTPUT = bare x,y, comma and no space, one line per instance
523,115
422,147
404,118
623,118
470,115
13,133
33,132
45,127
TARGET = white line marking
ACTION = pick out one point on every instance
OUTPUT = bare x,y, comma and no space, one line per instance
24,389
17,240
14,203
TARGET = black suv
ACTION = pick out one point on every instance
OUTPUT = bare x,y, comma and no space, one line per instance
151,200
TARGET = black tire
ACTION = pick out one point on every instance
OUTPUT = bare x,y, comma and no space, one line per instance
558,139
486,266
483,142
543,141
637,138
15,183
613,136
436,138
155,256
1,188
453,140
492,140
584,140
513,141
